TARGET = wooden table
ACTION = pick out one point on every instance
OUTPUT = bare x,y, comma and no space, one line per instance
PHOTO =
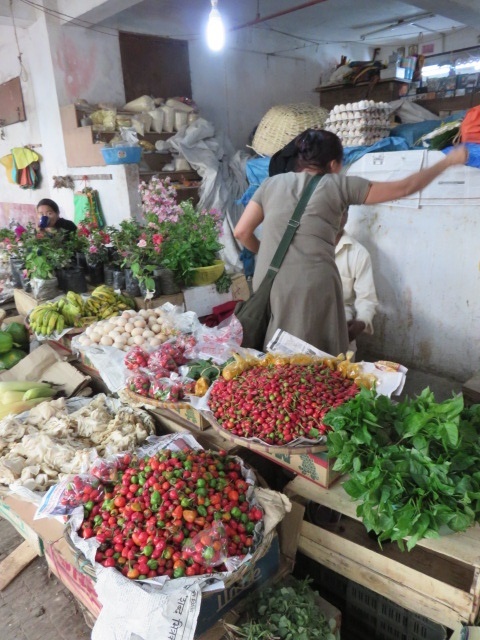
439,578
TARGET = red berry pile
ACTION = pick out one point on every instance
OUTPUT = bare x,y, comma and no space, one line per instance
279,403
162,515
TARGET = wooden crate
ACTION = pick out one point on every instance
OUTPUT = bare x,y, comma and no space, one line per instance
315,467
208,438
438,579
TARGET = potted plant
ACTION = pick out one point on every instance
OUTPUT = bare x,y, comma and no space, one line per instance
94,243
124,240
43,255
192,244
190,237
12,246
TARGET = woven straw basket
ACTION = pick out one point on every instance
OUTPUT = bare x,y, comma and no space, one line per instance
282,123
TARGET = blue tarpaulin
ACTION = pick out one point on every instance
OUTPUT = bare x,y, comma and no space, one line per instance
473,154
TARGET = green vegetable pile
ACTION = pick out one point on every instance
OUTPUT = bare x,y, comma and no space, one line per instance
287,612
414,466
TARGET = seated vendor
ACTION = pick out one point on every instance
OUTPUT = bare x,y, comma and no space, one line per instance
49,218
359,295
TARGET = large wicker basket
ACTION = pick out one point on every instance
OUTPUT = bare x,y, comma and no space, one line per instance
282,123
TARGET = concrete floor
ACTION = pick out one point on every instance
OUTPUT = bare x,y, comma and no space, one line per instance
36,606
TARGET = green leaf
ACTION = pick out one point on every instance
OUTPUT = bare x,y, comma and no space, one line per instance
460,522
451,431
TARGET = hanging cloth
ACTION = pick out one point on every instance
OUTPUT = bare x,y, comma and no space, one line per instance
7,162
24,156
87,205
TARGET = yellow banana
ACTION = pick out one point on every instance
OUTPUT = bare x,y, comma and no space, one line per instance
60,324
52,322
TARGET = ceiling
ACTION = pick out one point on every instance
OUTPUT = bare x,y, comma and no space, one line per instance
318,21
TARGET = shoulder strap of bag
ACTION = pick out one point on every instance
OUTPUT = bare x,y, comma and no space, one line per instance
292,226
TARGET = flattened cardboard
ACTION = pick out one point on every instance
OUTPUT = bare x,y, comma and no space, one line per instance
46,365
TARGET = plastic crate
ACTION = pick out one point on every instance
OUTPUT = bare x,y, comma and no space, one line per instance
387,620
121,155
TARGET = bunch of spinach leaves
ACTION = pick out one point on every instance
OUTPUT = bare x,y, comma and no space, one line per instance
286,611
414,466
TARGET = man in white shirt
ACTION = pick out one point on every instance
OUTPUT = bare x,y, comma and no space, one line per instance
359,295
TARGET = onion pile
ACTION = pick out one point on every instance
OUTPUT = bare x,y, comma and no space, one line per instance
146,328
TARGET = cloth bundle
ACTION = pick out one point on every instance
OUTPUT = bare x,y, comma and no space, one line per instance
23,167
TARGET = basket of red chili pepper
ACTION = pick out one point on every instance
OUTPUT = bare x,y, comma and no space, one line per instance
175,514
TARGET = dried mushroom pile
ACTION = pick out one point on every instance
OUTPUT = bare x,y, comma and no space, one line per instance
38,451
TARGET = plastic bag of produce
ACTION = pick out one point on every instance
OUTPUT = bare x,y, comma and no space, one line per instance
157,119
144,103
136,358
139,383
64,497
209,548
142,123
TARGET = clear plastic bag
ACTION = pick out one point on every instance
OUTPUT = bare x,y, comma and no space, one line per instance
209,548
69,494
139,383
136,358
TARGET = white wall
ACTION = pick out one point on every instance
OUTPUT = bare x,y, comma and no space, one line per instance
86,65
62,64
236,87
427,274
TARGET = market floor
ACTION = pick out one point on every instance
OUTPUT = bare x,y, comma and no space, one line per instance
36,606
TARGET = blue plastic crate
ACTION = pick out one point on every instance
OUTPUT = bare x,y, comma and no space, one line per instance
121,155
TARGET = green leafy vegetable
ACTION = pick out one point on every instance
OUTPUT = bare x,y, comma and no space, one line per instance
287,612
413,465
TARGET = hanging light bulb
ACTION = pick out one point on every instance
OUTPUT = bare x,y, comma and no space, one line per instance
215,29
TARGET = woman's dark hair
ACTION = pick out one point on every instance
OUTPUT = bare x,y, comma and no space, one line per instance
46,202
317,148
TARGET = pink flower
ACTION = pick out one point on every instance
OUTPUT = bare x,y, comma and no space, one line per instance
92,249
25,273
157,238
142,243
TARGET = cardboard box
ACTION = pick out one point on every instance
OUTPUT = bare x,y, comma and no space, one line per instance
316,467
12,515
46,364
61,561
186,416
24,302
201,299
208,438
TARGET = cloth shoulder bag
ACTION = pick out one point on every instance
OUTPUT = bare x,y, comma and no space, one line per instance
254,313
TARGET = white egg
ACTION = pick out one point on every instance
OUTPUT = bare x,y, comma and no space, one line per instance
144,313
121,322
137,331
107,341
131,341
156,328
119,345
96,336
125,336
108,326
86,342
115,335
129,327
148,334
140,323
138,340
